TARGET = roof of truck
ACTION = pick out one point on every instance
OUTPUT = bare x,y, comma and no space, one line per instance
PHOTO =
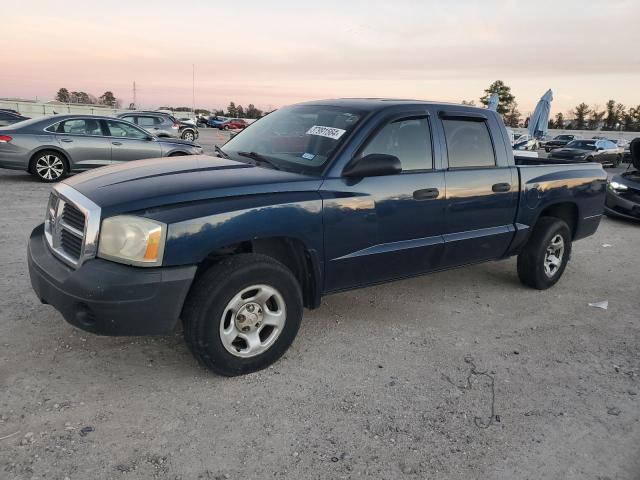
382,103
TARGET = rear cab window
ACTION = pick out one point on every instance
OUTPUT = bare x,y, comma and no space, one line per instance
469,143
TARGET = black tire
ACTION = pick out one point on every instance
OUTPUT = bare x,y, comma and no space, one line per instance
59,166
209,298
226,127
617,161
188,135
531,261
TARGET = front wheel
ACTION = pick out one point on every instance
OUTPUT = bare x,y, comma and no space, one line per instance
545,256
49,166
242,314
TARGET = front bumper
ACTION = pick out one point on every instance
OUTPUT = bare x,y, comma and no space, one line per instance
618,206
108,298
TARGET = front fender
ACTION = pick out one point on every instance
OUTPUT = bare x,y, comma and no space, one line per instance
215,224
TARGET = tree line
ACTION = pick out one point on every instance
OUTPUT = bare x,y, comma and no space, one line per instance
613,117
107,98
233,111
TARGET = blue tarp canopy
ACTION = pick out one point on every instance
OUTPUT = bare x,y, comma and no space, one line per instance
539,121
493,102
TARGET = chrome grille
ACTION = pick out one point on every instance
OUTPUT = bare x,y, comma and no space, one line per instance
71,225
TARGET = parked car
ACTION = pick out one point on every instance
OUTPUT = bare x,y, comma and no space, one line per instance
525,142
627,152
9,118
52,147
233,124
315,198
602,151
188,120
623,191
559,141
202,121
162,124
10,110
215,122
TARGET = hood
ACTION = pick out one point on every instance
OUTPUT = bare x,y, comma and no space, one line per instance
570,152
630,179
145,184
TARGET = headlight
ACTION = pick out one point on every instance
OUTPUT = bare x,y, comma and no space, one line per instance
132,240
619,187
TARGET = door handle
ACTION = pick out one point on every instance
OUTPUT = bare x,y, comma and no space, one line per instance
66,140
116,143
501,187
426,194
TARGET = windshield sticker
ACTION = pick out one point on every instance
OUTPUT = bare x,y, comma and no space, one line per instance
329,132
308,156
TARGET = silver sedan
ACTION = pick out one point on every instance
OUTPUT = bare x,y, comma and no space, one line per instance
52,147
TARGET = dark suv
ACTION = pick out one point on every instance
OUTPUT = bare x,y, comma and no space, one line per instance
162,124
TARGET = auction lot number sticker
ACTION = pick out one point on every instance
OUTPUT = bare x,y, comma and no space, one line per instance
329,132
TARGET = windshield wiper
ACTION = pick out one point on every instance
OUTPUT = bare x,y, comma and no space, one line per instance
258,158
221,152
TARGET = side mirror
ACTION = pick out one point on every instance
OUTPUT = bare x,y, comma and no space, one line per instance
373,165
150,138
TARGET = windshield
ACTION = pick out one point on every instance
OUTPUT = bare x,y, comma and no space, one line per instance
301,138
582,144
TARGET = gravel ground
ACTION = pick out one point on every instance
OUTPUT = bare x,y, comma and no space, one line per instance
378,384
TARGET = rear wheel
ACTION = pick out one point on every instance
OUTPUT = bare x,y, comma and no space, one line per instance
242,314
226,127
49,166
188,135
545,256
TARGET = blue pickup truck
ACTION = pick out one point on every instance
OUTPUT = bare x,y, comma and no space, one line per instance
314,198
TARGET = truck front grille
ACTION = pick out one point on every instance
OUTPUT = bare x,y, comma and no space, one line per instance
71,225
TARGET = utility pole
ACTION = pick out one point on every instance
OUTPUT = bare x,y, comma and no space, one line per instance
193,91
135,102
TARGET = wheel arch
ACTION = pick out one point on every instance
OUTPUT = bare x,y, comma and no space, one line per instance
565,211
303,262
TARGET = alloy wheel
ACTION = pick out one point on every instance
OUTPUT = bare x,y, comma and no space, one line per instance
252,321
49,167
553,256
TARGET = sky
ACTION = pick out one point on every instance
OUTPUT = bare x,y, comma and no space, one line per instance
278,52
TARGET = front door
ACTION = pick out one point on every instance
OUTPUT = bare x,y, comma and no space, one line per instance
482,191
129,142
84,143
386,227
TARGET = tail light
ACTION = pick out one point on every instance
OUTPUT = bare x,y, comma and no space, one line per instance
175,125
5,138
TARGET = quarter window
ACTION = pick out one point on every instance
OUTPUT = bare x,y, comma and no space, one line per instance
148,121
409,139
121,129
468,143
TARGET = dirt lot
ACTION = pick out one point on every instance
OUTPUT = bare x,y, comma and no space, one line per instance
375,386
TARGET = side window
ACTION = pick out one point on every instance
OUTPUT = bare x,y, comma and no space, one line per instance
468,143
80,126
147,121
409,139
120,129
130,119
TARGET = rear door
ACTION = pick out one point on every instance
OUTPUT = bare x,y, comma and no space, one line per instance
129,142
84,142
482,189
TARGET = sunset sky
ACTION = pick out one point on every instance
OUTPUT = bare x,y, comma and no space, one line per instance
273,53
